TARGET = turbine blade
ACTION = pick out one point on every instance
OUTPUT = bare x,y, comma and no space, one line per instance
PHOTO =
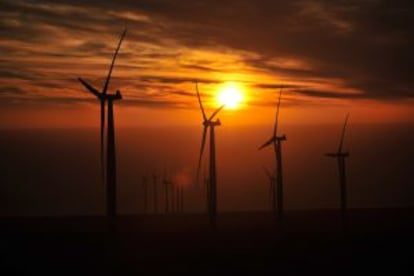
341,143
203,142
113,62
267,143
215,112
102,140
277,112
89,87
200,103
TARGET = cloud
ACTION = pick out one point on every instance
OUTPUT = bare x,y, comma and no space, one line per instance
15,74
199,67
327,94
316,48
277,86
11,90
175,80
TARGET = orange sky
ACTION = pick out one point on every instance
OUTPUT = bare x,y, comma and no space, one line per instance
326,56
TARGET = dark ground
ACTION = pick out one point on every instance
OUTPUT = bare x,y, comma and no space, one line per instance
378,241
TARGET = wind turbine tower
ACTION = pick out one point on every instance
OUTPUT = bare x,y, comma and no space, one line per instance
276,140
155,192
341,156
212,185
167,184
110,173
145,189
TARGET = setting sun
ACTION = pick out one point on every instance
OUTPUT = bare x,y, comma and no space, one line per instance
230,95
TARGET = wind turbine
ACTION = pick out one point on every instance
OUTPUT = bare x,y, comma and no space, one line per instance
212,184
167,186
341,156
155,192
145,188
276,140
181,199
178,195
110,173
173,197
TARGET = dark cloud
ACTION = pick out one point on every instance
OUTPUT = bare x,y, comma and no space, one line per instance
11,90
184,93
42,100
200,68
16,74
358,42
148,103
277,86
175,80
327,94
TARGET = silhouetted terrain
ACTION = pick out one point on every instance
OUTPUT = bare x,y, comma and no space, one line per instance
378,241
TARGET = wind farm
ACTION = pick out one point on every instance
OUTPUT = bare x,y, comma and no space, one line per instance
99,182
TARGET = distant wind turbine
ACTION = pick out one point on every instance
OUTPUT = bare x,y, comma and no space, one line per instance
178,195
341,156
104,97
212,185
167,187
155,192
180,199
173,197
145,189
276,141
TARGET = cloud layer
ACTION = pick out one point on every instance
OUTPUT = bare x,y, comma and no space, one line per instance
316,49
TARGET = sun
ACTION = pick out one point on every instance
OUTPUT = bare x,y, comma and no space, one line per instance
230,95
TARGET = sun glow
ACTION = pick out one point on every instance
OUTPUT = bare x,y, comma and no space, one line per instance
230,95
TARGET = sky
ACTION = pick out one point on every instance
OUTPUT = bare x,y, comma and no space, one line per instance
331,57
57,171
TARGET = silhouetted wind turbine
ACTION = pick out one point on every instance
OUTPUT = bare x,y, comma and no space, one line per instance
110,154
212,185
145,188
178,195
173,197
341,156
167,187
155,192
181,199
276,141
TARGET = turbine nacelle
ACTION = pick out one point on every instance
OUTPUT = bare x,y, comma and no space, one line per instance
281,138
210,123
100,95
273,140
116,96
